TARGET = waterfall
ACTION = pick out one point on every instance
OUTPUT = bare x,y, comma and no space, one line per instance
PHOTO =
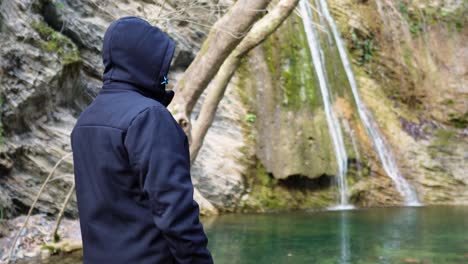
332,121
384,152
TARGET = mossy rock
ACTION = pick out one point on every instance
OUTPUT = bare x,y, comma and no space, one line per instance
290,65
64,246
55,42
267,194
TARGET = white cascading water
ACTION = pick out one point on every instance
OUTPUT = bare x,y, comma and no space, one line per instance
384,153
332,120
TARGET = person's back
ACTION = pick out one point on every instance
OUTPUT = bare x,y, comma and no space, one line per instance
132,166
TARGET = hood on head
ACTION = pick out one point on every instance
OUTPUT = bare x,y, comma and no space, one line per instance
137,53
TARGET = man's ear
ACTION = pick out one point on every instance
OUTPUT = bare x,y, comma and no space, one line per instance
169,95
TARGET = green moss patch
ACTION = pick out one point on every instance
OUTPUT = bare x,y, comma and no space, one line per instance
363,47
55,42
417,18
443,142
459,120
290,65
269,194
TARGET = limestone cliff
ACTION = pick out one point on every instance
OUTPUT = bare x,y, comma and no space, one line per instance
269,147
50,70
411,61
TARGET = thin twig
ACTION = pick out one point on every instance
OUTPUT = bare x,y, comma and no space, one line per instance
61,177
15,240
60,215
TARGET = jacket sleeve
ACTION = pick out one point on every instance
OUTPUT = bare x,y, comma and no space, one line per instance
158,149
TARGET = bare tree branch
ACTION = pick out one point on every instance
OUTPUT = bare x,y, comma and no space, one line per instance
54,234
259,32
216,48
15,240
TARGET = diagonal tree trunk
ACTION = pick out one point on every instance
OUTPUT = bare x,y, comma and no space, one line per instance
259,32
222,39
222,42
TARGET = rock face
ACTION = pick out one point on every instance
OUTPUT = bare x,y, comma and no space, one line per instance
218,171
269,147
50,70
412,67
39,78
293,137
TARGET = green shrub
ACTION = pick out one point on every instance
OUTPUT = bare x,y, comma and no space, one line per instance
250,118
364,47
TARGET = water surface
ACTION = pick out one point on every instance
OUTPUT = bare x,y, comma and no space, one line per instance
435,235
429,235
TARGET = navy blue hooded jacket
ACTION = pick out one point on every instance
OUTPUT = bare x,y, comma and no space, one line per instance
132,166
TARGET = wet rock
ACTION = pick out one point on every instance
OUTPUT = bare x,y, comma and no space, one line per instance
416,93
293,137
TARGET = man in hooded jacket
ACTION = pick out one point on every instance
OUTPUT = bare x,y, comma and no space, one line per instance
132,166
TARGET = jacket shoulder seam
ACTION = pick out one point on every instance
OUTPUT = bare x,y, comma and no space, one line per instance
141,112
134,163
106,126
